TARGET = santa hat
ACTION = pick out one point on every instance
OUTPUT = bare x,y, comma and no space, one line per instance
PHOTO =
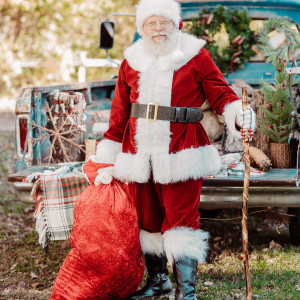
169,9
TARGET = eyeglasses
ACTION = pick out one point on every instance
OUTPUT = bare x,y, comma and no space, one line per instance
163,24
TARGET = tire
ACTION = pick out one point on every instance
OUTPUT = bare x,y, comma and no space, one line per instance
295,225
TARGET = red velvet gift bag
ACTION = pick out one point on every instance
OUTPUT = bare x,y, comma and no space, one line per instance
105,259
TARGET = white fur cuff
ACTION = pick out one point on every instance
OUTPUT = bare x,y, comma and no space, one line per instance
107,151
151,243
183,242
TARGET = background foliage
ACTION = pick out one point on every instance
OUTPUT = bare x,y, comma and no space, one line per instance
233,55
278,119
52,34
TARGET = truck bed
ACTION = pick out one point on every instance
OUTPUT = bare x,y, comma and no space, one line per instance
275,188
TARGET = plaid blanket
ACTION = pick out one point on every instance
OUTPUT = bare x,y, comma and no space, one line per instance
56,193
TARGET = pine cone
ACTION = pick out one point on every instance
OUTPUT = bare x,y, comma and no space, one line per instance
260,158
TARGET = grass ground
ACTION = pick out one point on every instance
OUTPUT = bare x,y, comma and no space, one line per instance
26,272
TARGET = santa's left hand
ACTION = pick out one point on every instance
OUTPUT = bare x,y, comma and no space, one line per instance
105,176
246,119
234,115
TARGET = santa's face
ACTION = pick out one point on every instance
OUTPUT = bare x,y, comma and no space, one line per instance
158,28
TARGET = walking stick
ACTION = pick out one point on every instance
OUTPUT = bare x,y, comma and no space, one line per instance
247,137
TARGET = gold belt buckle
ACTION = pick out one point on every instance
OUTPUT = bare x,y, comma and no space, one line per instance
155,112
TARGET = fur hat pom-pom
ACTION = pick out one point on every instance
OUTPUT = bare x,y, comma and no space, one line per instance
177,56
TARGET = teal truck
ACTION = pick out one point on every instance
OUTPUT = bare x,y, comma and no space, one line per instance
278,188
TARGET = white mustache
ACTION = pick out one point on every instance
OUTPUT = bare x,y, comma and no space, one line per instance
160,33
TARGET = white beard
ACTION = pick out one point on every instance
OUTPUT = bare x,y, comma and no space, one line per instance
164,47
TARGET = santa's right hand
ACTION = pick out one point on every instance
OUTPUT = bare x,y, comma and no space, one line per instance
105,176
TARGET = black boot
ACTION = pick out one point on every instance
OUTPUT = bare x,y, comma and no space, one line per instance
185,271
158,282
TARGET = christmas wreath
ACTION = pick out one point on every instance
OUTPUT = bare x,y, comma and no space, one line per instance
240,36
287,37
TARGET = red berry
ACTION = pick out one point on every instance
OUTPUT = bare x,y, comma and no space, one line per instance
284,60
283,88
279,69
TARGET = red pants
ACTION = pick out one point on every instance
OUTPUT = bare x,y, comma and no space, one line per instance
161,207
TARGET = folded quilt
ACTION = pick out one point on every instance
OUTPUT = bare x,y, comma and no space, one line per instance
56,193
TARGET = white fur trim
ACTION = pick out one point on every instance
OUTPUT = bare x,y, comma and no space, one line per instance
132,168
229,113
177,56
187,164
139,58
107,152
180,242
167,168
151,243
169,9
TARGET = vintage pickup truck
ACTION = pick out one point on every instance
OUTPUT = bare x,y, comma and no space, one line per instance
278,188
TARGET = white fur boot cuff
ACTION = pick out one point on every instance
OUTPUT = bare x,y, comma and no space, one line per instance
151,243
183,242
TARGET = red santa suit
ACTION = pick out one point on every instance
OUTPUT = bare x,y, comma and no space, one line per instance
164,162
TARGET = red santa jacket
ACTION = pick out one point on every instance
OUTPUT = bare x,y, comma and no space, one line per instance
174,151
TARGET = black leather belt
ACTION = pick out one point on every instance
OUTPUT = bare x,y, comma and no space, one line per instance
153,112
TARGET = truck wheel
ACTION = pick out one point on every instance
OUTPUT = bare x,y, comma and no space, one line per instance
295,225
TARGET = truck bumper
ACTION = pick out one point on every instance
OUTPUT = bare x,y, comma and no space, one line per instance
23,190
216,198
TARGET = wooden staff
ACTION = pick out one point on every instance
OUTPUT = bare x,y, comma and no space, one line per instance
247,137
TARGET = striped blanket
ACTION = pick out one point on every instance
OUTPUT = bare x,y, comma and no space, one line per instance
56,193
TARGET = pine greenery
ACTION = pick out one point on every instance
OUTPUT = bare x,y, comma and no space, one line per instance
240,37
278,119
283,25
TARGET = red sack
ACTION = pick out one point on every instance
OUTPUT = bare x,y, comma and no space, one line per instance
105,259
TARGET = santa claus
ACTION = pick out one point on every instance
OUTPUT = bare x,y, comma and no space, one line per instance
157,144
